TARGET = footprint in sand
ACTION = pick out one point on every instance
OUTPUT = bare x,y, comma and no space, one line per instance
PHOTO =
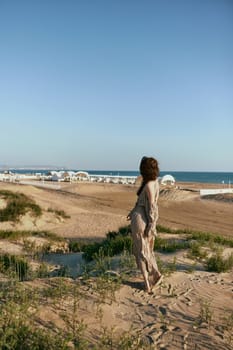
163,310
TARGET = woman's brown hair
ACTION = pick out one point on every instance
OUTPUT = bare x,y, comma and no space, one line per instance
149,169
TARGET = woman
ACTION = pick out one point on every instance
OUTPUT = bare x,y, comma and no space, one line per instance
143,222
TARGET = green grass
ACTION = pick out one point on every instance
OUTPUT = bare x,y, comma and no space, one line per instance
17,205
210,237
196,251
117,242
194,241
18,327
170,246
164,229
75,247
19,334
108,247
60,213
217,263
198,235
17,234
15,266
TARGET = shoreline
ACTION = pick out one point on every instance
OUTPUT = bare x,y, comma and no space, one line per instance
219,178
190,184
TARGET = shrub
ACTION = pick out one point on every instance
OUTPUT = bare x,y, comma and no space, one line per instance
170,246
217,263
75,247
196,251
164,229
115,243
198,235
206,312
17,204
210,237
123,231
60,213
10,234
18,334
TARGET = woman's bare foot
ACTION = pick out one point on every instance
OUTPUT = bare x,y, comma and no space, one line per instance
149,291
158,280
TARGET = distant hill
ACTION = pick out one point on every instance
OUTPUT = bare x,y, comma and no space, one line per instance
31,167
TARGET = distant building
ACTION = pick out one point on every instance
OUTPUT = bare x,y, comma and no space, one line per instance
82,175
168,180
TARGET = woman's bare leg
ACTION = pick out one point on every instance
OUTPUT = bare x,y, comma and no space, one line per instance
151,243
142,265
146,277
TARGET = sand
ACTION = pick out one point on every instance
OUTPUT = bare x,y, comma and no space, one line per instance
95,209
168,319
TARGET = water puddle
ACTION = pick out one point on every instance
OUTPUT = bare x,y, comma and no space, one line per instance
72,263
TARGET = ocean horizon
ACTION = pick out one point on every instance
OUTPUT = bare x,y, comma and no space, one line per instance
180,176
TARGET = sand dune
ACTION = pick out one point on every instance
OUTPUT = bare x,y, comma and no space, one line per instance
188,310
95,209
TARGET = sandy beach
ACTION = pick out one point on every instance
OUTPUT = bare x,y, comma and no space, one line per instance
95,209
168,319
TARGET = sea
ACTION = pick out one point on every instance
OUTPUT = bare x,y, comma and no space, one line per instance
180,176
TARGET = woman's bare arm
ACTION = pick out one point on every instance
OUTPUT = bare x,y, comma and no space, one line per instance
151,196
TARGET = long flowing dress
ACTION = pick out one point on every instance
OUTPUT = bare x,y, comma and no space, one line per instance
143,227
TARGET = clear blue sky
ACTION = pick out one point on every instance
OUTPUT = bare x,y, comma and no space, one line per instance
96,84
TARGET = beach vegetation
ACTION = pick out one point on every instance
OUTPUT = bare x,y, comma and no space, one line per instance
217,263
163,229
42,271
170,246
195,241
191,269
14,266
19,234
196,251
127,262
206,312
121,243
200,236
127,340
20,327
101,261
18,204
172,266
115,243
75,246
227,324
19,334
166,268
59,213
204,237
123,231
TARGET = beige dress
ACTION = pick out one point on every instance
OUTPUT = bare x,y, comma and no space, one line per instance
143,226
